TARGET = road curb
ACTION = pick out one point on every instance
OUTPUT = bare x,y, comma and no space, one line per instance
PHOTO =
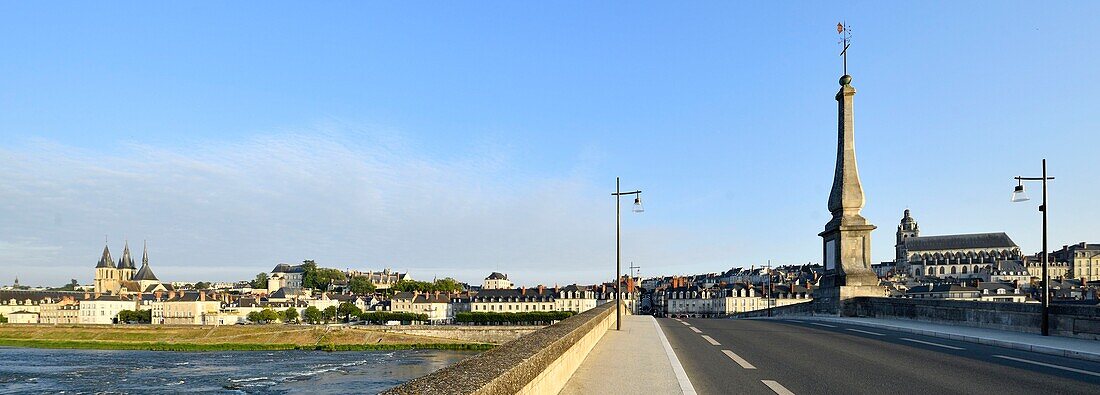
1062,352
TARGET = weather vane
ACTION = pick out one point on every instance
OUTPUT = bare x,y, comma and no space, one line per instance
845,33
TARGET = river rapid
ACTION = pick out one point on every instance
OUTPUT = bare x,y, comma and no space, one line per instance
40,371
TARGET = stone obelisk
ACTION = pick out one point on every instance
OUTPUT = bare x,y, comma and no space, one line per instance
847,236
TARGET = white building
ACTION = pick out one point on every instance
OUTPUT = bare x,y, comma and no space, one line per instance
497,281
104,309
285,276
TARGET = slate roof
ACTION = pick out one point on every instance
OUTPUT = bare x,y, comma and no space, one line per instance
145,274
105,260
127,261
998,240
287,268
497,276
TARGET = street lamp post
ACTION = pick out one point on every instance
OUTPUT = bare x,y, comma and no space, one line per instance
618,246
1018,195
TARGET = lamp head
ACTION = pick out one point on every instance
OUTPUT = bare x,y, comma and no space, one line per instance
638,205
1018,195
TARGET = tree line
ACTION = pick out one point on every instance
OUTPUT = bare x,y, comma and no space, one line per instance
524,318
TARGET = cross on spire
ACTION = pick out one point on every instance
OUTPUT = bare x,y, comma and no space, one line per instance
845,33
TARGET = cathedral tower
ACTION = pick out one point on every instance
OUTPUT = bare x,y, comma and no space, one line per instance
106,274
908,228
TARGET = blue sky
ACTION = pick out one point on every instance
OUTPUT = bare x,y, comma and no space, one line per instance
458,139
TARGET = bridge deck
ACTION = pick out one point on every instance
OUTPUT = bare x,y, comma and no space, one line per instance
634,360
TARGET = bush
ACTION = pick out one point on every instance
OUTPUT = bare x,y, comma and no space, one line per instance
525,318
135,317
381,317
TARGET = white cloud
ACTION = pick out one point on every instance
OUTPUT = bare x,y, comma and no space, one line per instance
223,210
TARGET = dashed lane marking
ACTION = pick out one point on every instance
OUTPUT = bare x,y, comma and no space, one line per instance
695,329
740,361
867,332
932,344
711,340
1049,365
800,322
824,325
685,323
778,388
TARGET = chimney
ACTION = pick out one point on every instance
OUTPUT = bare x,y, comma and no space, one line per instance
523,291
171,294
97,295
159,295
87,296
202,296
541,289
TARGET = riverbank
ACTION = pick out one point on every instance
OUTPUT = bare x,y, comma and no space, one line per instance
222,338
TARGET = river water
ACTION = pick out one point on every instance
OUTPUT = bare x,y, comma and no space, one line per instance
38,371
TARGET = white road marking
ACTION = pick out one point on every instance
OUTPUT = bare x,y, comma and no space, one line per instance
695,329
867,332
800,322
677,368
932,344
778,388
684,322
1049,365
824,325
711,340
740,361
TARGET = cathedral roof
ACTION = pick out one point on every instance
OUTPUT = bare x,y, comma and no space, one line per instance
959,242
106,261
145,274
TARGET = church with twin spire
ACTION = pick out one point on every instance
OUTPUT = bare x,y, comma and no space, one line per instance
123,277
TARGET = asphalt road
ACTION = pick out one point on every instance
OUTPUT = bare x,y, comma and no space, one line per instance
810,357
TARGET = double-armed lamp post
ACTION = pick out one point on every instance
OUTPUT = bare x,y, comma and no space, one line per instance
618,246
1018,195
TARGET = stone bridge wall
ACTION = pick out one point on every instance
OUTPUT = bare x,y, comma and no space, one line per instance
478,334
540,362
1065,320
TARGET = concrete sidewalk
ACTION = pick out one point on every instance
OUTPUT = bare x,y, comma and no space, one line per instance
1054,345
635,360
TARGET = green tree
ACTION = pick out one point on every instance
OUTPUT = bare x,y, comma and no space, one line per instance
312,315
290,315
254,317
361,285
3,319
328,314
71,286
202,285
347,309
260,282
447,285
269,315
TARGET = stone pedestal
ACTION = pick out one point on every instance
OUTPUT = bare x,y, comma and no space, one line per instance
831,300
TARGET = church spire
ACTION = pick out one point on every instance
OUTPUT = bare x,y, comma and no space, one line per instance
144,253
127,261
105,260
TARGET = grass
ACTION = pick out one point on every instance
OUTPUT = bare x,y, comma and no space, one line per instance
222,338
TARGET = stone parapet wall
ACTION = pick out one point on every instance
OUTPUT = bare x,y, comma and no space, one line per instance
540,362
477,334
1068,320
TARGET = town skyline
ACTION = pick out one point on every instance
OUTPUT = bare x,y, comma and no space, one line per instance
244,161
